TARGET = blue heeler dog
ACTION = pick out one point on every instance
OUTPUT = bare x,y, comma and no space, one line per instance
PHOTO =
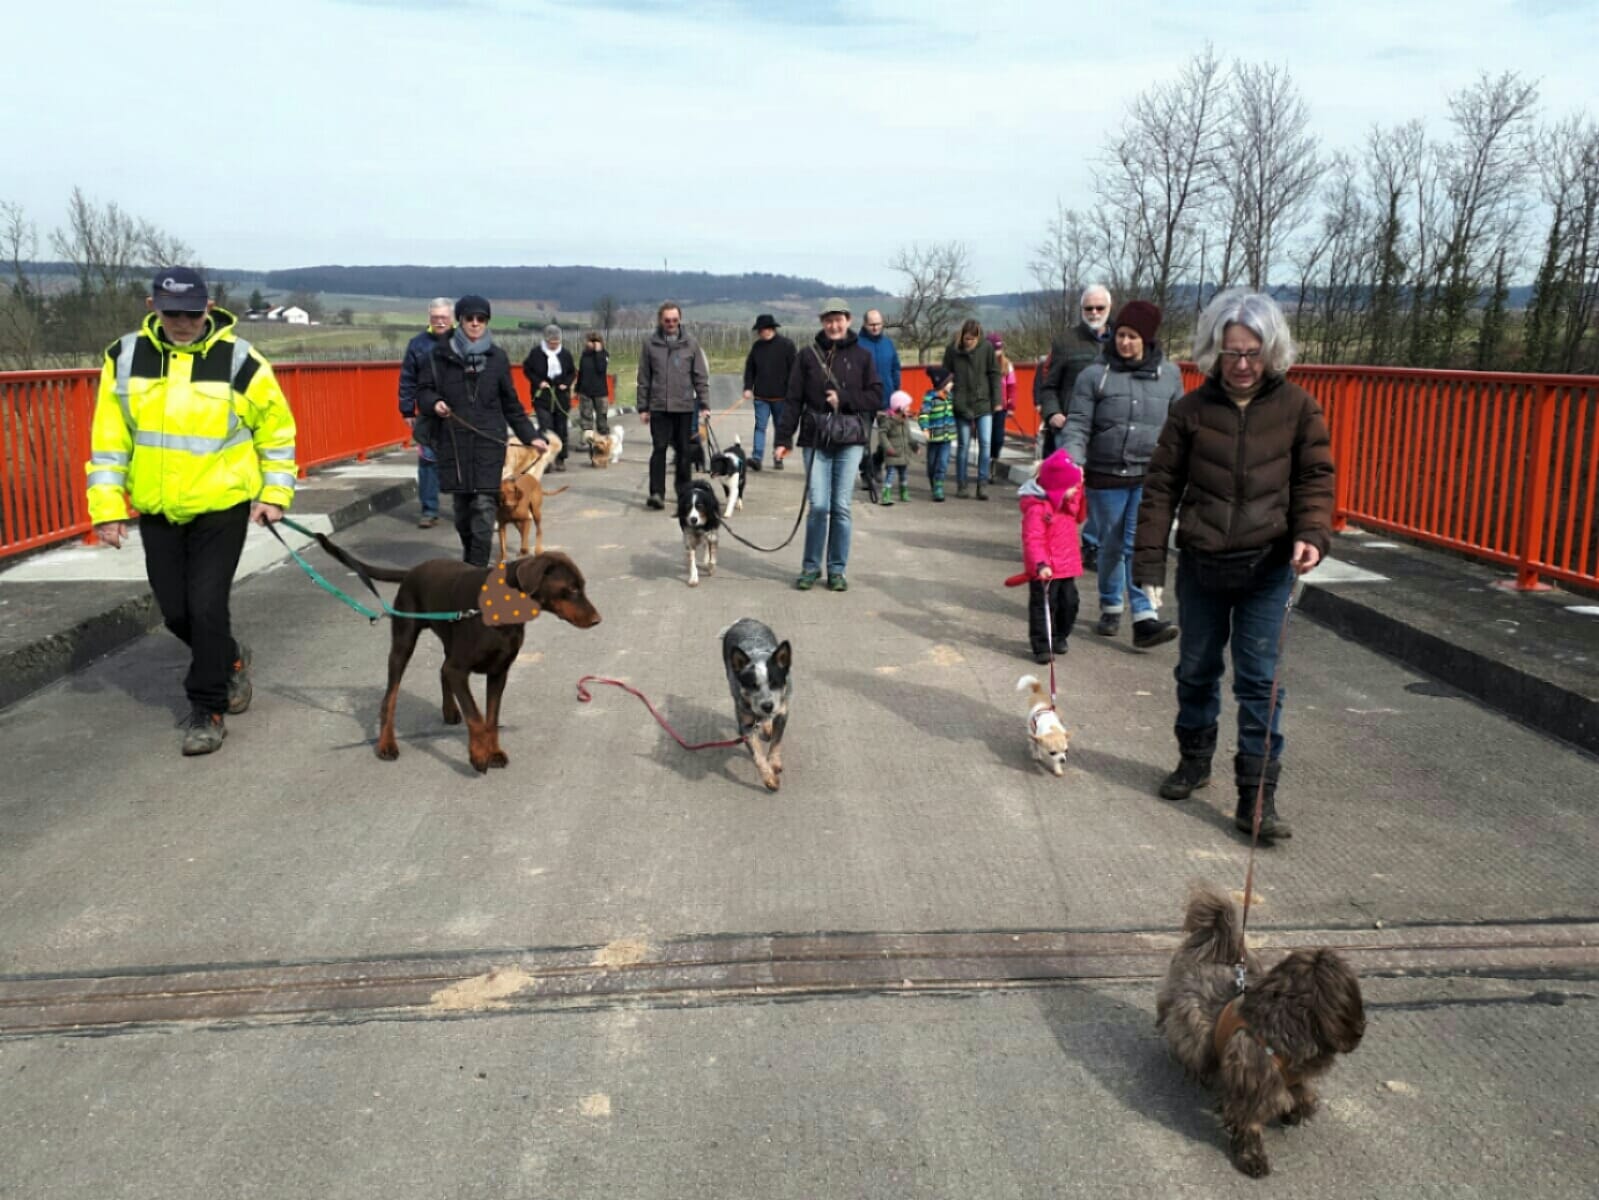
758,676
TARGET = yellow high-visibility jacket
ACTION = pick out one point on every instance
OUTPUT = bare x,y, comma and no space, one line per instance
185,430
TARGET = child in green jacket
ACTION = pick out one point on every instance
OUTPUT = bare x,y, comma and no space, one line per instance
938,422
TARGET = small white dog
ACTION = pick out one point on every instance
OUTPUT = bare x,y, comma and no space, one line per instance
1047,737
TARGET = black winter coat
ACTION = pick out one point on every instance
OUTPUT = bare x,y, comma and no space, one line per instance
591,372
768,366
487,402
537,369
806,404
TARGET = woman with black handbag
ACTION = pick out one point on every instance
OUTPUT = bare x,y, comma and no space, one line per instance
833,396
1244,462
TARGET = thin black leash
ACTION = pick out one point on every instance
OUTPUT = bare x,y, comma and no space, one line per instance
1260,787
805,499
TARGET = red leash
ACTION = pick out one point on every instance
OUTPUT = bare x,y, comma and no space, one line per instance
583,697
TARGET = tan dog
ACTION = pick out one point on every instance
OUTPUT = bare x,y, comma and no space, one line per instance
527,460
521,504
1049,739
604,449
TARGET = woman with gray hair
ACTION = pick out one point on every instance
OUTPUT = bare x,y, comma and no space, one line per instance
1244,462
551,373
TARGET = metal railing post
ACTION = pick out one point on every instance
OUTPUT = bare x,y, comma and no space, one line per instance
1535,495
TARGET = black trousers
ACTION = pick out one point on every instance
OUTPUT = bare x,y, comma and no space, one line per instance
476,514
555,417
677,430
190,568
1063,604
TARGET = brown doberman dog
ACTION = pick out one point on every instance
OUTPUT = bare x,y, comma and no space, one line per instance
476,644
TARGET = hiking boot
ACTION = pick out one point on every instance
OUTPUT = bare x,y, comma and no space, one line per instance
240,689
655,502
1196,746
1060,648
202,732
960,491
1091,558
755,464
806,581
904,493
938,492
1108,625
1149,632
1247,771
778,464
1041,657
837,583
427,522
982,491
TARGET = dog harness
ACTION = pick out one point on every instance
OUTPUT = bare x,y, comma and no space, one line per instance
1231,1021
502,604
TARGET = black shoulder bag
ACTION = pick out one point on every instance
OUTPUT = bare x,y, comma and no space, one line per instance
837,428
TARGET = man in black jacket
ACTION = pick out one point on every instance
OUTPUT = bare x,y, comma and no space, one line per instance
466,392
766,371
550,374
417,352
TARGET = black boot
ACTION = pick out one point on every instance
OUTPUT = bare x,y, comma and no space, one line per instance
1247,770
1196,746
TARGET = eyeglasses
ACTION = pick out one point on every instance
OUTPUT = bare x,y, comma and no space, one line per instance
182,314
1096,308
1248,356
474,319
670,321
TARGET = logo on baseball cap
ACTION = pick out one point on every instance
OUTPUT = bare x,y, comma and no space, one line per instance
179,289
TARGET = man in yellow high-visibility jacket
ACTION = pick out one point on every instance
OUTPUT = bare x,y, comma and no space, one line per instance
191,428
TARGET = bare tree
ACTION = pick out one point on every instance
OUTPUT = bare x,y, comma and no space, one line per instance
22,302
1270,166
1484,172
1061,266
1162,171
1566,291
938,280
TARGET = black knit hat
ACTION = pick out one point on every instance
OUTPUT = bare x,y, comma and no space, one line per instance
938,376
472,306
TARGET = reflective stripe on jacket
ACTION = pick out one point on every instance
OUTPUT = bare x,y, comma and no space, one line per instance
186,430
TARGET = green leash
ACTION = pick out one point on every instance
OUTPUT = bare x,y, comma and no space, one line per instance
332,589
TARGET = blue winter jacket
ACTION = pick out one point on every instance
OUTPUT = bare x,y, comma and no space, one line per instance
417,352
886,358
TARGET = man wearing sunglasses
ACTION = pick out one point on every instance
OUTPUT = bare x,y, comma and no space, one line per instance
191,427
1054,382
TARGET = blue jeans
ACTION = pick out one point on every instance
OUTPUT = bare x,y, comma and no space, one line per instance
1114,514
1254,619
937,461
427,485
1088,532
765,410
827,525
963,441
888,475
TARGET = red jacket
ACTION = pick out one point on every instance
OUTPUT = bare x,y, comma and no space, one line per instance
1050,535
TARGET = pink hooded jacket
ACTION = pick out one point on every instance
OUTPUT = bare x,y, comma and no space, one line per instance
1050,518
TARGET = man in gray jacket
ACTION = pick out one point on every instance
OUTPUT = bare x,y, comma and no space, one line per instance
674,382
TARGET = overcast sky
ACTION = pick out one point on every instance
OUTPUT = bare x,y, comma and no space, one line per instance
725,135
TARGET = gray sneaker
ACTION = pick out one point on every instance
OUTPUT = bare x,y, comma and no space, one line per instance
240,690
202,733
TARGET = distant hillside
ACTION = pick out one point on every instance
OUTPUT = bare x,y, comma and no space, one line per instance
571,288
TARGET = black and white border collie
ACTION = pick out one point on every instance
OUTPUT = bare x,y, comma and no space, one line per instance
699,516
732,467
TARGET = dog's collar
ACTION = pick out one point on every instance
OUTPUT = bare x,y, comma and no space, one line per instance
1230,1021
502,604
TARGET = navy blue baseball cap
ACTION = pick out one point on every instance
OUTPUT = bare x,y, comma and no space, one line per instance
179,289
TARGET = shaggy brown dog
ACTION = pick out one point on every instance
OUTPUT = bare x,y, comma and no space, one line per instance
1265,1045
521,504
471,646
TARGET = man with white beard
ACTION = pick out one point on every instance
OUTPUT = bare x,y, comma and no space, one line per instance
1067,357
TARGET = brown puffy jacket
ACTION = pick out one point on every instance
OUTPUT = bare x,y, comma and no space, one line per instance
1237,478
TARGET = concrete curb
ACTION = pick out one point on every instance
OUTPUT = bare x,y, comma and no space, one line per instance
1539,703
56,655
1536,702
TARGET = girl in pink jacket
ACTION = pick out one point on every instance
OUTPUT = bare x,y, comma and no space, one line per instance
1052,506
